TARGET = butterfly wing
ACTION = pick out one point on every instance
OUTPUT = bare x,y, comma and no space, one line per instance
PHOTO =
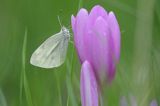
63,50
51,53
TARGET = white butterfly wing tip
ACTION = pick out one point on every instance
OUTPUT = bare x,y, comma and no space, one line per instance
32,61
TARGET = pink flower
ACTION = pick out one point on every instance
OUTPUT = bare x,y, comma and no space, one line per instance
154,103
97,40
133,102
89,90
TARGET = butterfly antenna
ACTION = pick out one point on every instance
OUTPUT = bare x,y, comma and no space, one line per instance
59,21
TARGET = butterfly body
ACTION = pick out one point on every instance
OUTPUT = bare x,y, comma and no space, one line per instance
65,32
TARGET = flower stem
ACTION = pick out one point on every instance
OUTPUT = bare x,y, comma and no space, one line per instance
80,5
24,81
142,50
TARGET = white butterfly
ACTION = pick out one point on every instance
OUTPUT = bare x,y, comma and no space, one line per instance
52,52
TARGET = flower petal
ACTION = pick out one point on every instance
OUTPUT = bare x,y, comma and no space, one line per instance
154,103
133,101
73,21
115,30
89,90
123,101
97,46
96,12
79,34
108,64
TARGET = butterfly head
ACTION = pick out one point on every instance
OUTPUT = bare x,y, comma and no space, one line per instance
65,32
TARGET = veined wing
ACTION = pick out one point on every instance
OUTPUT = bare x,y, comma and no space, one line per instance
63,50
48,54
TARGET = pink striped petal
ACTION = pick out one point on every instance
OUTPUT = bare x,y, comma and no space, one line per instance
154,103
96,12
123,101
79,34
115,31
73,21
89,90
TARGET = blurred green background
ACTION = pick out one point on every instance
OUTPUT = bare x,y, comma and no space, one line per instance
21,84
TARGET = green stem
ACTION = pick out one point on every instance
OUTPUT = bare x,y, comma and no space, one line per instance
70,72
69,85
21,89
58,87
68,101
2,99
24,81
142,49
80,4
72,61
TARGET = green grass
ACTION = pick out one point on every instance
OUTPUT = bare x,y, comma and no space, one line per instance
25,85
23,81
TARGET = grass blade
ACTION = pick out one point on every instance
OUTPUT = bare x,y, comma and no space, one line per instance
2,99
58,87
142,55
69,85
80,4
24,82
